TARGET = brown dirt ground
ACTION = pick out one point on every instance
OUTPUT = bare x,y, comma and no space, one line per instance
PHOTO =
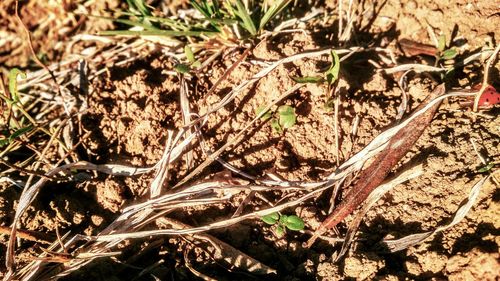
132,106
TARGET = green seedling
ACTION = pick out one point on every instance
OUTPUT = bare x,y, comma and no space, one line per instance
330,76
308,79
283,118
13,74
192,62
264,116
15,128
283,222
275,125
287,117
445,53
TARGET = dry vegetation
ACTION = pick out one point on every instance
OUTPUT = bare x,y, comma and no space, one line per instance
282,140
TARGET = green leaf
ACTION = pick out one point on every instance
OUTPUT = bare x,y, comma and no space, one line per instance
140,6
20,132
283,219
449,54
4,142
189,54
173,24
182,68
202,8
265,115
287,116
196,64
270,218
276,126
294,223
332,74
273,11
486,168
245,17
308,79
280,231
13,73
441,43
211,13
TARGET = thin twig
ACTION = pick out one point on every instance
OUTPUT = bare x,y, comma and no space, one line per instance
29,235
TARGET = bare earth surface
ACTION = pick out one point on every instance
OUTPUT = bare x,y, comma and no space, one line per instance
132,105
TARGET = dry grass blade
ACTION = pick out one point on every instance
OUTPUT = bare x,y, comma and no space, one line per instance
237,138
186,114
378,193
223,251
419,68
162,172
238,89
369,178
195,272
410,240
28,235
378,143
30,193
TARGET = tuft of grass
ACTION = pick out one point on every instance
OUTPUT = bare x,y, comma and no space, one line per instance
218,16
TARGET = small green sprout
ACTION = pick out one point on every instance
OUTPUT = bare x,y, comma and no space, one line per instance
283,118
331,75
287,117
265,116
445,53
276,126
17,129
182,68
308,79
283,222
486,168
271,219
192,62
13,74
329,105
190,57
